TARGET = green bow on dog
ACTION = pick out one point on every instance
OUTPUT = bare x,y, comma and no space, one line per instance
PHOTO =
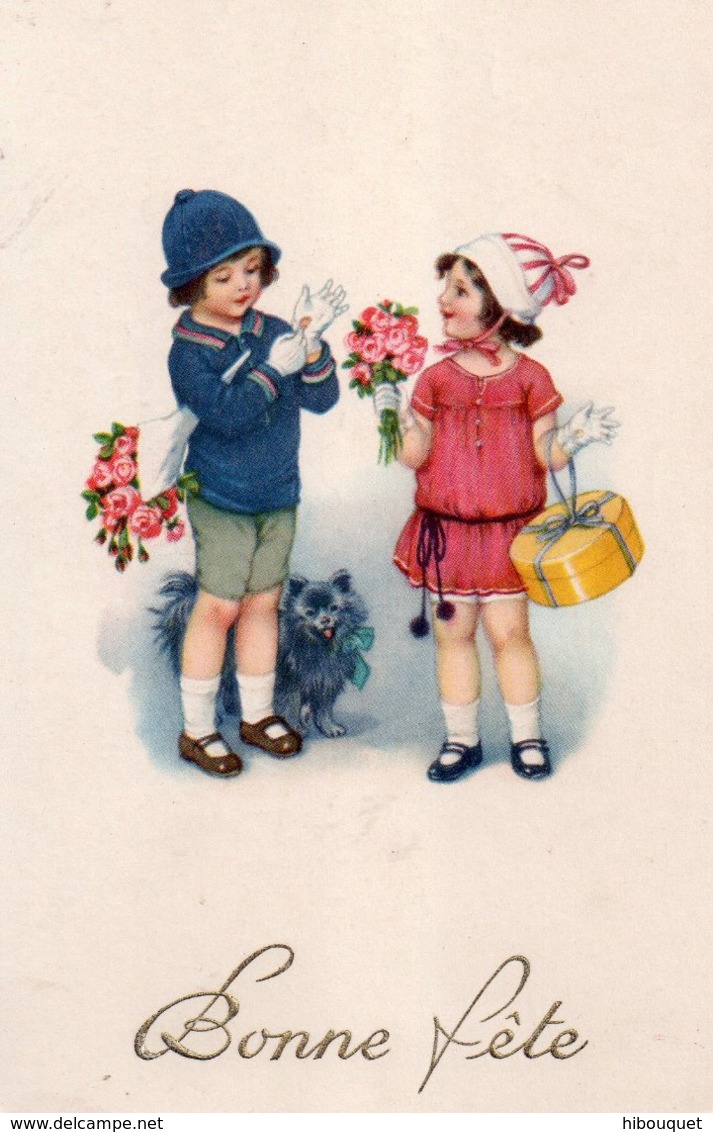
354,641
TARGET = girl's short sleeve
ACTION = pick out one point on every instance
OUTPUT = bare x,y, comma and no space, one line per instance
542,397
423,397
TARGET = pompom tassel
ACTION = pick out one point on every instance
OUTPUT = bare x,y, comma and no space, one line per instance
419,626
445,610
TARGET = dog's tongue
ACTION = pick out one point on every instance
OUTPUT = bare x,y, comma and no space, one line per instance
328,633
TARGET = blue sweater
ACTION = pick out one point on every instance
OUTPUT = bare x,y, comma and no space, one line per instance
245,447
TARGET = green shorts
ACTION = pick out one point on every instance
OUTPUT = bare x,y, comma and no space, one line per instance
239,554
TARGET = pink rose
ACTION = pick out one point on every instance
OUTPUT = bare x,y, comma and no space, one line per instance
145,521
353,342
411,361
373,348
172,496
410,324
125,445
123,470
176,532
111,522
380,320
397,339
361,374
100,477
367,315
120,502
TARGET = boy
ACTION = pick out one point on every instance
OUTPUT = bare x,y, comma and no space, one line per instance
245,375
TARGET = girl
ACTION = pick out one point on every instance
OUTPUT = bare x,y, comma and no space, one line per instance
480,433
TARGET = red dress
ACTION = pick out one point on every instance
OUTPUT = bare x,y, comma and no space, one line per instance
482,481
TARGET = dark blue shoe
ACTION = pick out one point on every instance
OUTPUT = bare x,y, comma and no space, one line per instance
468,759
530,770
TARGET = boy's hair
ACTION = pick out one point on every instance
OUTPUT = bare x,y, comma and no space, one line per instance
511,331
194,289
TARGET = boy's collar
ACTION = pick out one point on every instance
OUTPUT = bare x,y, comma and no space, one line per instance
187,327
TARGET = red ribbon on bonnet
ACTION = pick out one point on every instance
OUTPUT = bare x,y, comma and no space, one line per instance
563,284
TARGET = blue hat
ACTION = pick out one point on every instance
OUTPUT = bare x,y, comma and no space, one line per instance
203,228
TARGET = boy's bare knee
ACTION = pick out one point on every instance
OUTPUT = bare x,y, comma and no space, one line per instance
266,601
216,610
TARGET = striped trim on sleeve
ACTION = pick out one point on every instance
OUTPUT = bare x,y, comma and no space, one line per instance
319,370
265,381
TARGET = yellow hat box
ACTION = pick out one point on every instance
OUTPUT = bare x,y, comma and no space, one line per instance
578,549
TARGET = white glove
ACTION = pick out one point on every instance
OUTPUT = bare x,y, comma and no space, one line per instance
161,450
387,395
288,353
587,425
316,311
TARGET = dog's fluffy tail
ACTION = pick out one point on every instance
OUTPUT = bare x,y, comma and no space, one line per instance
179,592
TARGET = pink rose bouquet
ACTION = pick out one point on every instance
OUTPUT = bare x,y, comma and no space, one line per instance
113,493
385,346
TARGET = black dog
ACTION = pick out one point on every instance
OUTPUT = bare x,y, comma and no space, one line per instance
322,630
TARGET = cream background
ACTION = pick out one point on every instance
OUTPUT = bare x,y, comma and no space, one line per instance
367,138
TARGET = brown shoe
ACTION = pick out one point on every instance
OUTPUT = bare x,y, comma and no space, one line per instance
282,747
194,751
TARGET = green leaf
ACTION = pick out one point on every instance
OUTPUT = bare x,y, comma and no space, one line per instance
362,390
107,451
350,362
411,310
118,429
91,496
189,482
92,511
103,437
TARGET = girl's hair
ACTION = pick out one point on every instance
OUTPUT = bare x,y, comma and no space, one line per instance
194,289
511,331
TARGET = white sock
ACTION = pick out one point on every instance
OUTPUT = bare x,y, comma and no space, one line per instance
198,698
461,726
256,699
525,724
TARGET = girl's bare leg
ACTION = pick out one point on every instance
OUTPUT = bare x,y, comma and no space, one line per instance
457,666
458,673
506,623
507,627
